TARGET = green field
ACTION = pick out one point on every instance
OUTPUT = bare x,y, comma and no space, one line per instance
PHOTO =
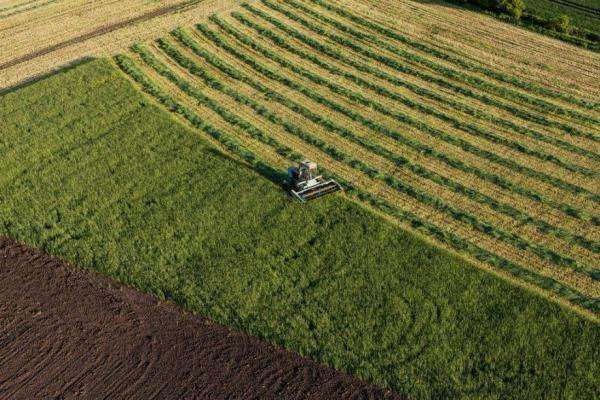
579,11
95,173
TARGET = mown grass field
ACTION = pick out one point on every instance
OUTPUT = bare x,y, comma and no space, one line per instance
502,169
94,172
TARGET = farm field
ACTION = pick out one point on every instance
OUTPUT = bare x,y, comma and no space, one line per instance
96,173
583,13
500,168
40,36
173,354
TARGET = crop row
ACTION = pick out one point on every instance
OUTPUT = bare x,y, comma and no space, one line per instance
466,127
360,165
365,68
459,76
449,74
448,238
129,67
464,64
211,35
398,160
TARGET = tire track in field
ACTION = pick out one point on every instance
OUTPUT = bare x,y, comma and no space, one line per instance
98,32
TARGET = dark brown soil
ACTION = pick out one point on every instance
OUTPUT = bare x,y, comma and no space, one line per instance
67,333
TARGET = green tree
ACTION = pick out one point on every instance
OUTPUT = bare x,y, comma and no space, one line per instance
511,7
562,23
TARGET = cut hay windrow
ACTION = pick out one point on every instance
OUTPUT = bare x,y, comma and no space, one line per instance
473,80
369,123
461,62
319,47
452,162
331,150
448,238
355,46
456,123
402,162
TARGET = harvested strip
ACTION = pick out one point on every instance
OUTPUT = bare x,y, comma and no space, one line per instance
455,73
456,60
63,331
442,82
364,68
465,127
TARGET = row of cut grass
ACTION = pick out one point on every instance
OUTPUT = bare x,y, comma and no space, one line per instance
444,82
364,68
501,90
456,123
457,60
419,195
445,237
367,122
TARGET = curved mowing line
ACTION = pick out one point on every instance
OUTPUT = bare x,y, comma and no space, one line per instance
357,97
391,181
450,74
470,66
364,68
398,160
501,90
448,238
452,162
463,126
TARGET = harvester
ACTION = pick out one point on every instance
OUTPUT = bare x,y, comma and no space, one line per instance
306,184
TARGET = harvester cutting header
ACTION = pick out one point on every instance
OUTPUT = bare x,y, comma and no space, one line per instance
306,184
